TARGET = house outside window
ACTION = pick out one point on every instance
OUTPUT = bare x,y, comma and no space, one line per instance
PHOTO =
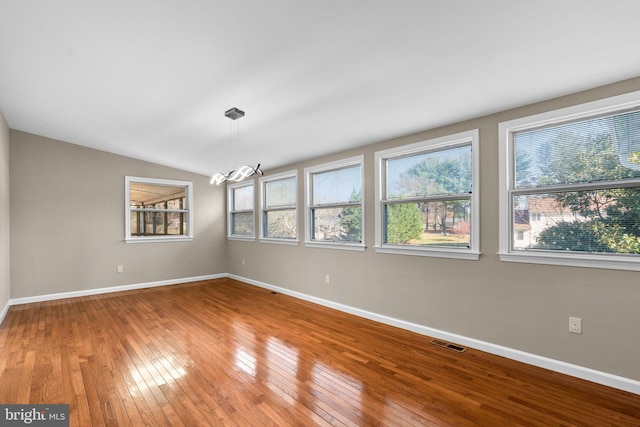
278,203
427,198
240,219
334,205
158,210
578,169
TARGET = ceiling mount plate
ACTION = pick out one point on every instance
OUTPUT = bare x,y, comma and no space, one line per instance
234,113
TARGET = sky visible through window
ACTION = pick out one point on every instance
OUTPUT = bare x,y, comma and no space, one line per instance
337,186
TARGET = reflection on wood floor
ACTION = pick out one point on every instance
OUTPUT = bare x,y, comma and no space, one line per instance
221,352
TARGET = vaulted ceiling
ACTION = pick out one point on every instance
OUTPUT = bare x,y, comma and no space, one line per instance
151,79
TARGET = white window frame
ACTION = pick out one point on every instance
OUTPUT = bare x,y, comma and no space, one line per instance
165,238
459,139
308,197
230,189
263,209
506,184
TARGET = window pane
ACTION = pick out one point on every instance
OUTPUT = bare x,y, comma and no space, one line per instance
281,192
280,224
154,223
601,149
603,221
337,224
135,229
153,199
242,223
149,194
176,223
243,198
429,223
427,174
337,186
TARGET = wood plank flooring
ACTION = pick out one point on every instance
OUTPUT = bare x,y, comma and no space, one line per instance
225,353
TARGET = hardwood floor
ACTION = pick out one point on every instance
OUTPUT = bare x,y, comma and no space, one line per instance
221,352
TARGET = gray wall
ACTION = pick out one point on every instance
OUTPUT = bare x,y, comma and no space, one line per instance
521,306
4,214
67,221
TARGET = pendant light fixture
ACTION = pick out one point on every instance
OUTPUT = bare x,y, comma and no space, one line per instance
240,172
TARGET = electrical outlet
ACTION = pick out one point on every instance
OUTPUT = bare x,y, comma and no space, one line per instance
243,261
327,280
119,269
575,325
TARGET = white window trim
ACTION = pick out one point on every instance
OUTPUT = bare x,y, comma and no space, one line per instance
127,206
449,141
230,189
506,164
351,161
263,182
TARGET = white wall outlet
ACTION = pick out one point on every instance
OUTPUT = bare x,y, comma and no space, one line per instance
243,261
120,269
575,325
327,280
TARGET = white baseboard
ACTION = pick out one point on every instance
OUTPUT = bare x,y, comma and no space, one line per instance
98,291
5,310
588,374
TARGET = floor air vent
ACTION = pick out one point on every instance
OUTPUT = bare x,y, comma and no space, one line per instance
448,345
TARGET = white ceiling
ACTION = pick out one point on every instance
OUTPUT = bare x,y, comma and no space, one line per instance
151,79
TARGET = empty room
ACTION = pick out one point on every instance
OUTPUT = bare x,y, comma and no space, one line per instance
333,213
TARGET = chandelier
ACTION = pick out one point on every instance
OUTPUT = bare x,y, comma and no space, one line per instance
240,172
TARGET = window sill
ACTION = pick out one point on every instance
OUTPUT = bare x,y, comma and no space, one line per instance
290,242
242,239
430,252
158,239
332,245
612,262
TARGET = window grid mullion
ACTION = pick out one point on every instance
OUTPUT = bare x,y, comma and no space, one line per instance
600,185
280,208
443,198
159,210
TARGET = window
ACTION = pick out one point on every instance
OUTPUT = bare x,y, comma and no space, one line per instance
278,202
427,198
240,209
158,210
334,204
578,169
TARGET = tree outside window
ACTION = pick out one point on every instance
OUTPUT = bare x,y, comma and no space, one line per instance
584,179
334,204
427,198
279,207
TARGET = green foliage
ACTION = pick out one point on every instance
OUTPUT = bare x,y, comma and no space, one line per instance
572,160
611,217
404,222
590,236
351,220
437,176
